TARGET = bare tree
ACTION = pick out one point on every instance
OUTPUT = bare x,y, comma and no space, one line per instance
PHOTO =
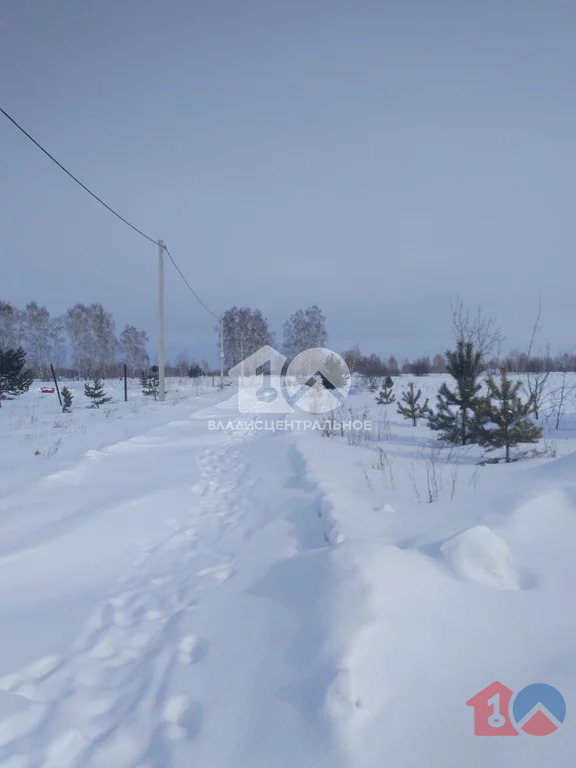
11,332
183,364
392,365
92,337
536,376
352,357
58,342
479,329
439,364
37,338
561,395
305,329
79,331
104,339
205,365
133,349
245,330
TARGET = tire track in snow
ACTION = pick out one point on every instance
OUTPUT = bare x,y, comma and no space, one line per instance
107,702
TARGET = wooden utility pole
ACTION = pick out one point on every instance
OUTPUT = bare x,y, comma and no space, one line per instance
221,352
161,362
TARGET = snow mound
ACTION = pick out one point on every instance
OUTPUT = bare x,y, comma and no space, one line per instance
478,554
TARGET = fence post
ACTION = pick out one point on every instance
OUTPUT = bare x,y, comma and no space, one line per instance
56,383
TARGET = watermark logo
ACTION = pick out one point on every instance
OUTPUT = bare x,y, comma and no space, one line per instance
538,709
315,381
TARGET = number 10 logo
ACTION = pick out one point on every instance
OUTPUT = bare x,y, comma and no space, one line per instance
538,709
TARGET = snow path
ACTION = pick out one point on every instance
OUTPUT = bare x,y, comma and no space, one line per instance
206,644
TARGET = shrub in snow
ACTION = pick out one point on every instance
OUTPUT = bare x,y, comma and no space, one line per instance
386,396
95,393
410,407
505,416
66,400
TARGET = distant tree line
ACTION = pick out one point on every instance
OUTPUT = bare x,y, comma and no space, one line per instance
515,362
374,365
82,342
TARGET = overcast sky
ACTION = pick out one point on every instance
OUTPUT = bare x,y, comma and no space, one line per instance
376,158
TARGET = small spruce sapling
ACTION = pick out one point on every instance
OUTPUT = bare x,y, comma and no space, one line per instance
372,383
14,379
410,408
95,393
506,422
386,395
66,400
150,382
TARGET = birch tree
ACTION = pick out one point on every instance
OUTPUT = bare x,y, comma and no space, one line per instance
133,349
305,329
10,326
37,338
245,330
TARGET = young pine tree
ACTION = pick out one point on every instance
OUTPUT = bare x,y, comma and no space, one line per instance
410,407
150,382
14,380
457,412
506,421
386,396
66,400
95,393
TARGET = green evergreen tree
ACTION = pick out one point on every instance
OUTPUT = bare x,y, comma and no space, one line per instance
386,396
410,407
505,416
66,400
195,371
150,382
95,393
14,379
457,415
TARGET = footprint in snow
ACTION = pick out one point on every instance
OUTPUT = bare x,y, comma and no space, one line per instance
181,718
38,681
191,649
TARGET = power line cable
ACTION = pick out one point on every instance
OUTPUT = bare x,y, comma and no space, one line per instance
84,187
192,291
108,208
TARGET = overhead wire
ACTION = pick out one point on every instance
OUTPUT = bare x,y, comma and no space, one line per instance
108,207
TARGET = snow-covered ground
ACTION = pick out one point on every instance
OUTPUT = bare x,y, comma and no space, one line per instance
175,596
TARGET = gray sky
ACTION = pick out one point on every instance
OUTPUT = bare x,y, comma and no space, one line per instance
376,158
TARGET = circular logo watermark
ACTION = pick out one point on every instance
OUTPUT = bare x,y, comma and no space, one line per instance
316,381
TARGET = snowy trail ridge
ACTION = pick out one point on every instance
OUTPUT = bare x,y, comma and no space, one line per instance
189,652
231,599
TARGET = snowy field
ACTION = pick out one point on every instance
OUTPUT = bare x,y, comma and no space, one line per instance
175,596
